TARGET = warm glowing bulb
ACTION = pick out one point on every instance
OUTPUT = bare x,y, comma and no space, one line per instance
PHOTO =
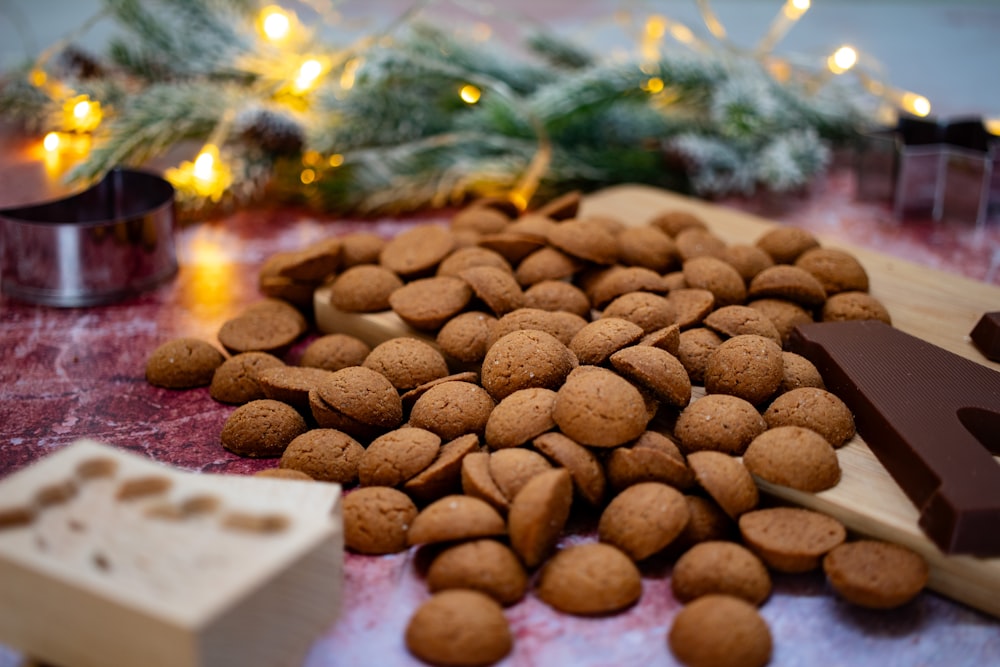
336,160
308,74
51,142
682,33
311,158
275,23
204,164
470,94
38,78
653,85
918,105
307,176
842,60
81,114
992,125
801,5
81,109
656,27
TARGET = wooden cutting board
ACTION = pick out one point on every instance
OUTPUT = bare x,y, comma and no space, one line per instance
938,307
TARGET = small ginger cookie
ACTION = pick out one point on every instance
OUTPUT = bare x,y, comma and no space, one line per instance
618,280
644,519
556,295
417,251
283,473
465,337
648,247
460,628
793,456
455,517
667,338
407,362
599,408
748,260
235,380
721,279
519,417
720,631
363,395
694,347
784,281
525,358
689,306
695,242
398,455
585,240
546,263
655,370
854,306
452,409
588,475
790,539
590,579
785,315
511,469
332,352
720,567
786,244
468,257
674,221
364,289
377,519
719,422
482,565
426,304
875,574
726,480
561,325
183,363
797,371
538,514
837,270
324,454
495,287
262,428
644,462
730,321
747,366
360,248
598,340
291,384
444,475
478,482
708,522
259,332
650,311
813,408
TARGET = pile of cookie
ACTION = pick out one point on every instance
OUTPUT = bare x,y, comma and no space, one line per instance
561,365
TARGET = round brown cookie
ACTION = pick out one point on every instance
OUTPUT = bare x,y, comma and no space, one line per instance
546,263
667,338
563,207
648,247
455,517
598,340
472,256
410,397
690,305
525,358
396,456
363,395
708,522
784,281
407,362
262,428
695,242
815,409
444,475
364,288
618,280
452,409
644,519
790,539
720,631
183,363
875,574
726,480
259,332
650,311
730,321
598,407
290,291
464,337
519,417
563,325
511,469
723,568
557,295
792,456
482,219
327,417
721,279
675,221
513,246
278,308
324,454
655,370
426,304
532,224
719,422
747,366
235,380
459,628
799,372
674,280
639,463
315,263
360,248
590,579
477,481
608,222
854,306
334,351
495,287
291,384
283,473
748,260
694,348
585,240
483,565
836,270
785,244
784,315
377,519
586,471
538,514
417,251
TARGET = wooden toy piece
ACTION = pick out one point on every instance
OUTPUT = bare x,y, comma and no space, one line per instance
109,559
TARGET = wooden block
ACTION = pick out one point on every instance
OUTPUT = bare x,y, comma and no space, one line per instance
109,559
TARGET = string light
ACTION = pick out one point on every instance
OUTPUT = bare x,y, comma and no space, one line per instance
308,74
51,142
790,12
347,77
470,94
842,60
207,176
918,105
307,176
274,23
336,160
653,85
81,114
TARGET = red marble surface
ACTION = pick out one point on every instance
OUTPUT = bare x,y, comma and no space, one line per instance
75,373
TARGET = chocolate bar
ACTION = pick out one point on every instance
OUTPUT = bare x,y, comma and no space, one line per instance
931,417
986,335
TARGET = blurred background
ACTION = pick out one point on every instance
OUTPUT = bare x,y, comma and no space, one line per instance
945,50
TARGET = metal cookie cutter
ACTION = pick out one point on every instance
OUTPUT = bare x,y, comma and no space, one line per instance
110,242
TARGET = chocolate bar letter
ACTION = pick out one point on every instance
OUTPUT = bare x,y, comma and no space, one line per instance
930,416
986,335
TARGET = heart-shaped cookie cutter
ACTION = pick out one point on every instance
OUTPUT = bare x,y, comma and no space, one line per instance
107,243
